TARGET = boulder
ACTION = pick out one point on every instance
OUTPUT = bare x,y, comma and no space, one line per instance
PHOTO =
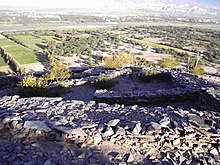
109,132
47,162
70,130
155,125
113,123
137,129
39,125
97,138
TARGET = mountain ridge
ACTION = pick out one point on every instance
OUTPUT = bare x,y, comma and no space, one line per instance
171,6
185,6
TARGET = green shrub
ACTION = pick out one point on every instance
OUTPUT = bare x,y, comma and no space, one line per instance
118,61
104,82
140,53
198,70
30,81
31,86
145,48
170,62
58,71
88,60
142,62
147,75
150,73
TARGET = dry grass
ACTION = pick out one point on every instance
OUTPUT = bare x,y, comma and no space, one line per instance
118,61
170,62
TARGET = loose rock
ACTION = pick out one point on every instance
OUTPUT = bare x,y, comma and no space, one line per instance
109,131
36,125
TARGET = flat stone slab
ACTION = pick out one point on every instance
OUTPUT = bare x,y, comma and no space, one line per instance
39,125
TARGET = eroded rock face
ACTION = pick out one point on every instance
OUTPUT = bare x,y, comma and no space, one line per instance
54,131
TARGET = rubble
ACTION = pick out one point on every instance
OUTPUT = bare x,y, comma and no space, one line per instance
120,128
147,134
186,87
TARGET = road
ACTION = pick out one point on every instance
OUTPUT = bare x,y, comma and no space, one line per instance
57,26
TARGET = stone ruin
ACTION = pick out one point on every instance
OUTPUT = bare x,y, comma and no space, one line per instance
114,128
186,87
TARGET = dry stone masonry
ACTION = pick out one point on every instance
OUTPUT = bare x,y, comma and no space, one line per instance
186,87
115,127
53,131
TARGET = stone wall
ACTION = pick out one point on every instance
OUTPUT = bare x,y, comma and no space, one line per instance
8,81
188,87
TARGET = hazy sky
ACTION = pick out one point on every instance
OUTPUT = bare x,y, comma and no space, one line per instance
213,2
73,3
52,3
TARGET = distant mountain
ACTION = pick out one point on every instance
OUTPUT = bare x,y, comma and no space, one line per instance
164,6
181,6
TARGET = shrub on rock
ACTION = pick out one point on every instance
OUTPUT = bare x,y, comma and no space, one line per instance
198,70
147,76
33,82
170,62
104,82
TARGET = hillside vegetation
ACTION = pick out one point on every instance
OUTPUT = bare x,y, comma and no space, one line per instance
92,46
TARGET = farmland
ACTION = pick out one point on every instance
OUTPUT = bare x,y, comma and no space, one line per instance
157,45
22,54
2,62
50,38
30,41
78,46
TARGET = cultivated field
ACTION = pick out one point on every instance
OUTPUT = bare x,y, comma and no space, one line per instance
22,54
49,38
79,46
157,45
2,62
30,41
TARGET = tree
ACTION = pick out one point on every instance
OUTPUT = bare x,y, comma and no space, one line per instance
63,38
61,52
57,70
51,46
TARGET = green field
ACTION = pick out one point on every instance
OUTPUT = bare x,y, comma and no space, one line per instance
29,41
2,62
22,54
4,70
157,45
49,38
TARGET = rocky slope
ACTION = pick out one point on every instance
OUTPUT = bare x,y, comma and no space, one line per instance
88,133
45,130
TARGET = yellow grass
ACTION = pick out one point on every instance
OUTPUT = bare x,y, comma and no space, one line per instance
157,45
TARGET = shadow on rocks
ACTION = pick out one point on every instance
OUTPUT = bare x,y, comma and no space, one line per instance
29,148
